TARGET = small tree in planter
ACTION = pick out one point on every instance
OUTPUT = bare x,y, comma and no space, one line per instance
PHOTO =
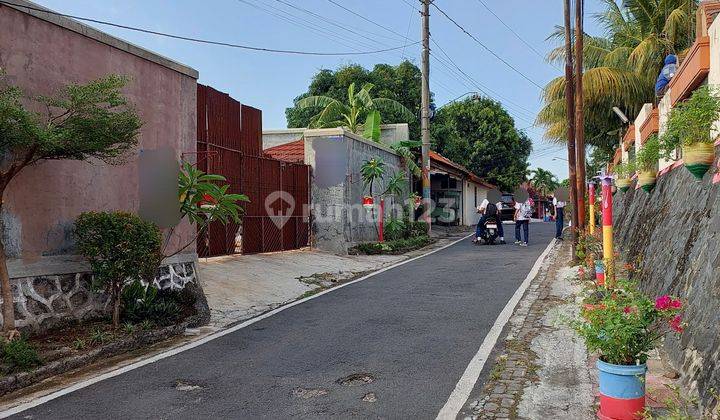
81,122
690,126
623,326
121,248
647,163
624,173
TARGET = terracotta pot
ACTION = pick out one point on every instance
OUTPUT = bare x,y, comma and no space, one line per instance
623,184
647,180
698,158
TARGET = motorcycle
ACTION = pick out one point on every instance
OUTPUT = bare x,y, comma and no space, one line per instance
490,233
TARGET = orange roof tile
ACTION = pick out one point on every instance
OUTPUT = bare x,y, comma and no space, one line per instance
293,152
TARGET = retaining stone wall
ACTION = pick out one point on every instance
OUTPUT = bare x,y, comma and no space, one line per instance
44,301
673,233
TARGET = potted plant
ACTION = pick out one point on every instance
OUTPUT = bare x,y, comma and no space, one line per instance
622,325
690,126
647,162
624,172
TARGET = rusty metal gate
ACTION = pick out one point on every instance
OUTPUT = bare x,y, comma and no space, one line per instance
229,143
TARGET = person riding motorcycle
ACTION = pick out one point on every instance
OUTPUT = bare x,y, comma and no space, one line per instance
487,209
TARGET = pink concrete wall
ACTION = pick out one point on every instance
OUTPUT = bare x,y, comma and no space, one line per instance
44,200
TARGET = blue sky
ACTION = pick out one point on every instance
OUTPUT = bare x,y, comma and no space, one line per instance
271,81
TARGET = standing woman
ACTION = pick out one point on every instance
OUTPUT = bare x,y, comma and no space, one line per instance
523,213
559,217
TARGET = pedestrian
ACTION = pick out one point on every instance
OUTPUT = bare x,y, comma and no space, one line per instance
487,209
559,213
523,213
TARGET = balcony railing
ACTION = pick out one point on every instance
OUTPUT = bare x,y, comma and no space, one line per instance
629,138
649,126
693,70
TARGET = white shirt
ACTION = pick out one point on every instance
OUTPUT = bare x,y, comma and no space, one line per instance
558,204
481,208
519,211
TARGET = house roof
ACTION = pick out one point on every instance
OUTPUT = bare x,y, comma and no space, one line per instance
437,157
293,152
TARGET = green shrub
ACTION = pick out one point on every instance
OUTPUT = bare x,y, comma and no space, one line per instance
395,229
648,156
142,303
120,247
19,355
418,228
691,121
397,246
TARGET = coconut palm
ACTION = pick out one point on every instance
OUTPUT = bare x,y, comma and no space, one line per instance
620,67
544,181
360,104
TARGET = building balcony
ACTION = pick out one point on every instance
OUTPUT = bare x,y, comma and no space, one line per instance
649,126
629,138
692,71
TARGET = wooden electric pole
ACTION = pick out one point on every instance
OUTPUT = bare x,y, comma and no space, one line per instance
570,112
425,116
579,116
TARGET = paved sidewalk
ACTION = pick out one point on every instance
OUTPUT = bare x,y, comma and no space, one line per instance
541,371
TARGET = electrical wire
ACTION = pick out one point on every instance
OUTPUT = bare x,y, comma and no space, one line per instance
307,24
494,54
517,35
477,84
205,41
338,24
367,19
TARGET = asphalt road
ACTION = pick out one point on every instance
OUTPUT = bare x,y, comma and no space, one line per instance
409,331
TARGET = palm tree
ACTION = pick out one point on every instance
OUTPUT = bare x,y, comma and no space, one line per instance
544,181
359,104
620,67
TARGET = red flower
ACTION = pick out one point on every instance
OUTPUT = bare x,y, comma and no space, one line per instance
676,304
629,310
663,302
676,323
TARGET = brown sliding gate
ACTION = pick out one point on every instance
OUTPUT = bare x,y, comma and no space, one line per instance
229,143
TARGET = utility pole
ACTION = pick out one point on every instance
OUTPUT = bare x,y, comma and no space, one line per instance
579,115
425,116
570,112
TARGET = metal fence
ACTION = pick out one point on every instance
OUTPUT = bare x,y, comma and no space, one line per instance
277,216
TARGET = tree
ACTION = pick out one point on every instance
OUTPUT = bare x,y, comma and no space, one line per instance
544,181
620,66
93,120
359,105
479,134
119,246
401,83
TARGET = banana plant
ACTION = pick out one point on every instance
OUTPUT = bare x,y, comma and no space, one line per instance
334,113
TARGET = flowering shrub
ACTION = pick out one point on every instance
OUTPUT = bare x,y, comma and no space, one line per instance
623,325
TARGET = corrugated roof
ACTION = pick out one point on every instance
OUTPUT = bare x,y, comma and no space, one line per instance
442,159
293,152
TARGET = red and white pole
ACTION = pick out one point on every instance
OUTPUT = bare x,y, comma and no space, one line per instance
607,228
381,222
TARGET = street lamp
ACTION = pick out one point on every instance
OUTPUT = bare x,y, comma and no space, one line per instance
559,158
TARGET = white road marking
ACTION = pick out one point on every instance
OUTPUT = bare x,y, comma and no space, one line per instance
467,381
80,385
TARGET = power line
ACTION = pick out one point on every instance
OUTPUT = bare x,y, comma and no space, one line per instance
307,24
477,84
525,116
517,35
367,19
523,75
335,23
205,41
